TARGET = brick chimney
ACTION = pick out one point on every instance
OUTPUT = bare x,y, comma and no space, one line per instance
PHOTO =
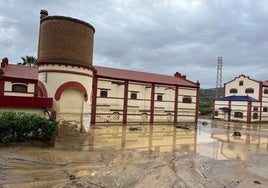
4,62
179,75
43,13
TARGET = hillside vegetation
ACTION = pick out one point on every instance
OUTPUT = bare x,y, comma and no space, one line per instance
206,98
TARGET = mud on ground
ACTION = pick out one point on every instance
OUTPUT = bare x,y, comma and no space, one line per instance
83,165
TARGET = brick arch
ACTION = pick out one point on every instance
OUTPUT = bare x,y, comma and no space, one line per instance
75,85
42,87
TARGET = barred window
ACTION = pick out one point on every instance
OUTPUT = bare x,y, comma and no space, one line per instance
19,88
249,90
238,115
233,90
187,100
104,93
255,116
133,96
159,97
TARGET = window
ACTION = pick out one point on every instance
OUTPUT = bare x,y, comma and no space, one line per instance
133,96
159,97
233,90
249,90
238,115
187,100
241,83
116,116
255,116
265,109
255,109
216,113
103,93
19,88
265,91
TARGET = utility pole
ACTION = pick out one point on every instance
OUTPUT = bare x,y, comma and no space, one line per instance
219,78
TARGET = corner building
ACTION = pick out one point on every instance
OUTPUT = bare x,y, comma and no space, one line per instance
245,100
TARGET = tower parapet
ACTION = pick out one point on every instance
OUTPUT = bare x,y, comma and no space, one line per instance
64,39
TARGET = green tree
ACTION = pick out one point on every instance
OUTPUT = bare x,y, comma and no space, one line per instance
28,61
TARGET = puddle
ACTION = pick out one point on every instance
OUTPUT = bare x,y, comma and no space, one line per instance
210,139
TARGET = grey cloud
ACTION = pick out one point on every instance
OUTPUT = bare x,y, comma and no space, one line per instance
156,36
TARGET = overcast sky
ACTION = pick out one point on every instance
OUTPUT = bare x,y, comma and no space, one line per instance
158,36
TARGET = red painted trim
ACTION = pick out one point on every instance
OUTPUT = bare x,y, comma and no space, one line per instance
66,85
35,90
65,71
260,99
176,104
229,112
152,104
125,103
242,75
197,106
42,87
66,64
25,102
94,99
249,111
2,86
20,80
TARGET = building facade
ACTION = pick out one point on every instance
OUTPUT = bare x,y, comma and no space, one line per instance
81,94
20,90
245,99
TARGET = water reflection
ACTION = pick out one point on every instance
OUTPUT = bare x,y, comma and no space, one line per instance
210,139
253,139
162,138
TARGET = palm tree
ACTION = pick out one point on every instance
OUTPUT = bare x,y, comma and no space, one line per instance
28,61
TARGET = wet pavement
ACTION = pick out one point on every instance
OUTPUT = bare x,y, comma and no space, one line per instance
144,156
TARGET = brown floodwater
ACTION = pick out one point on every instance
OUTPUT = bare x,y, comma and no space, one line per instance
75,155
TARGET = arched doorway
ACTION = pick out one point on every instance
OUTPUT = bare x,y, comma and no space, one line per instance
71,110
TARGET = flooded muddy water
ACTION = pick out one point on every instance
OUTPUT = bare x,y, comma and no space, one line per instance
210,154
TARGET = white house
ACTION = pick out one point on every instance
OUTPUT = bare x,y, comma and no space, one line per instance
245,99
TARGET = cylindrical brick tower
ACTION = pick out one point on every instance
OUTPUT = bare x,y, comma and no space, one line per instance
65,39
65,54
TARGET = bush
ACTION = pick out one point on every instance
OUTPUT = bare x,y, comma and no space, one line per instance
205,108
15,128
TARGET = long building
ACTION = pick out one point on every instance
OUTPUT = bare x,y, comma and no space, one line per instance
66,85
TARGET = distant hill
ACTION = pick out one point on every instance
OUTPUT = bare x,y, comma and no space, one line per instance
207,95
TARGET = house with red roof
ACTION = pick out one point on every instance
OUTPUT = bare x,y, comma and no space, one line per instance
21,91
124,96
68,87
245,99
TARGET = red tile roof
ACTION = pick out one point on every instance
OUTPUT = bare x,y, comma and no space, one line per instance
20,71
265,83
142,76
